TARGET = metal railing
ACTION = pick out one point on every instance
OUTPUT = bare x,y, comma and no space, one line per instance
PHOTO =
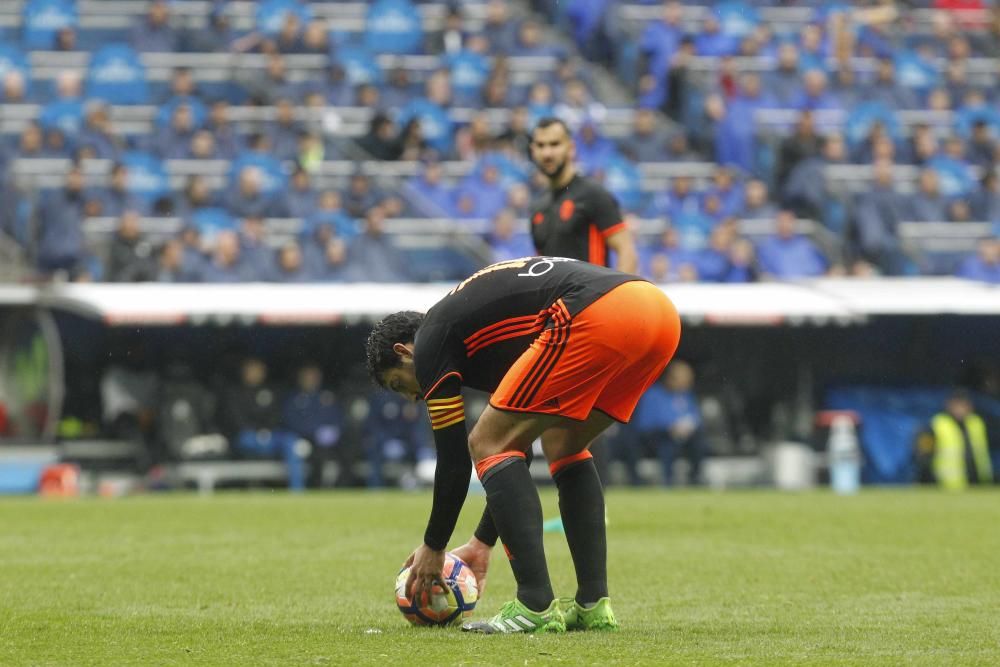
921,21
919,239
50,173
348,16
46,65
13,260
332,121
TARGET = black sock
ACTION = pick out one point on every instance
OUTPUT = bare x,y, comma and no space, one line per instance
517,512
486,531
581,505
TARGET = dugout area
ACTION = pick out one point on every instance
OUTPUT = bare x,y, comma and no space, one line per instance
767,358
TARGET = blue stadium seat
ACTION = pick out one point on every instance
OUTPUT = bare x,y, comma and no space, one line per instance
861,119
434,122
66,115
275,177
736,18
469,72
117,76
271,14
13,60
955,177
342,224
360,66
147,178
915,72
393,26
211,221
623,179
694,229
198,110
966,118
511,171
42,19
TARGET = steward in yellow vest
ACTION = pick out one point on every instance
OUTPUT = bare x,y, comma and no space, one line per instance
961,449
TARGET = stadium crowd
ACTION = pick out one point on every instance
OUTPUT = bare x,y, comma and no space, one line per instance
776,107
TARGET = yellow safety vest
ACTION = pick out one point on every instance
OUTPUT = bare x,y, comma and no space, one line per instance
949,451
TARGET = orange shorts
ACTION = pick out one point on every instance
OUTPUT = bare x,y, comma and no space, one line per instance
603,359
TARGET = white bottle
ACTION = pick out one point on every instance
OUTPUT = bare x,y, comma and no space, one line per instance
845,456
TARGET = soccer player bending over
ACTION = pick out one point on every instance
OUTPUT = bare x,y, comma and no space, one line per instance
564,348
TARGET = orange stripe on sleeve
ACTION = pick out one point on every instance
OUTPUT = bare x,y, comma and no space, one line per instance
442,411
614,229
442,379
445,412
448,422
443,403
595,246
445,415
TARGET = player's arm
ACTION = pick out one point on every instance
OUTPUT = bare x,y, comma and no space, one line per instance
454,465
533,228
451,481
616,232
626,255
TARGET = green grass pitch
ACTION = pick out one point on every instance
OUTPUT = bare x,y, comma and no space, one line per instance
886,577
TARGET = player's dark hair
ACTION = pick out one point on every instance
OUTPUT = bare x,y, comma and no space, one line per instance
399,327
549,121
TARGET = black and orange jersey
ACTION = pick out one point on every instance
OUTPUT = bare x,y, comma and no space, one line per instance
575,221
477,332
473,336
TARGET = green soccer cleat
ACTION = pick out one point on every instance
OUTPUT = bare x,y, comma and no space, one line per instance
515,617
597,616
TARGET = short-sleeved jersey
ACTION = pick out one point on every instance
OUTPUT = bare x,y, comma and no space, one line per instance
576,221
477,332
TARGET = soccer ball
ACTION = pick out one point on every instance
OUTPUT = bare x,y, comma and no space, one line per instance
449,605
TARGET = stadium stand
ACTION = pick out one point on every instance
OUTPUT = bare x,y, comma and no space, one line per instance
845,116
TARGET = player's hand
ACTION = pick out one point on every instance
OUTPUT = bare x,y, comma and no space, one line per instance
426,566
476,555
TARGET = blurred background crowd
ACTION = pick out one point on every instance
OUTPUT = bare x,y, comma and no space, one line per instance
205,141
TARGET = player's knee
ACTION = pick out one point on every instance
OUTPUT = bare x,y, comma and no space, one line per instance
556,447
483,444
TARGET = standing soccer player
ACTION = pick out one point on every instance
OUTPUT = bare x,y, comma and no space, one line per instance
577,217
565,348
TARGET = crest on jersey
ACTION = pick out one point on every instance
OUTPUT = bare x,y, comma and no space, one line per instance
566,210
537,218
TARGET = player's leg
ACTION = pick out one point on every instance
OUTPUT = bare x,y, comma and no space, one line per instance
640,314
581,501
666,450
498,443
486,531
572,367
